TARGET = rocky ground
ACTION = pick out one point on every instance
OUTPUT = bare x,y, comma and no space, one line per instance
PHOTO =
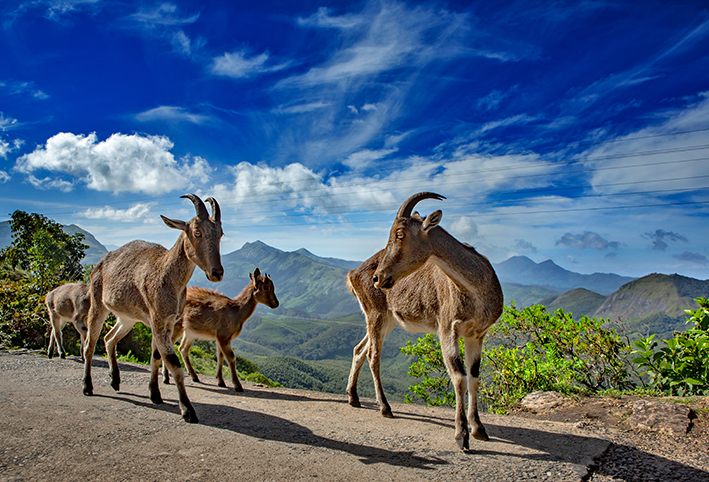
50,431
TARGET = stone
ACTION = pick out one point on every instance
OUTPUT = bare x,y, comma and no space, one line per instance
541,401
663,417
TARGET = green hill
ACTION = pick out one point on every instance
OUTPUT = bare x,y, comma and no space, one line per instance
654,303
579,302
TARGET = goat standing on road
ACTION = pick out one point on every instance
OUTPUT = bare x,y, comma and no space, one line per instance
209,315
145,282
68,303
427,281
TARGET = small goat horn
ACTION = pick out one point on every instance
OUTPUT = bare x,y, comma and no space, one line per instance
199,206
408,205
216,211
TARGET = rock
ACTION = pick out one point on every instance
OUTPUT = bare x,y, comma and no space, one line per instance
540,401
669,418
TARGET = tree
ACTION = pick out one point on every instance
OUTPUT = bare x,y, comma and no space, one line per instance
41,257
41,247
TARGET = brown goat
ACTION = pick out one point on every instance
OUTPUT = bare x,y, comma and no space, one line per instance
427,281
68,303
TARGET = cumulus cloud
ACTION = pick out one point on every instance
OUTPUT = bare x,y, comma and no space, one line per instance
171,114
121,163
522,245
659,236
239,65
694,258
587,240
298,187
134,213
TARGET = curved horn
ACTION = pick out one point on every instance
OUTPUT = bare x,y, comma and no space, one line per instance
408,205
199,206
216,211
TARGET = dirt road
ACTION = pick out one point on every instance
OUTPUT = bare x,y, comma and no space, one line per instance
51,432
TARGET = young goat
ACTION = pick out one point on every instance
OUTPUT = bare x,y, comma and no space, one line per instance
145,282
209,315
67,303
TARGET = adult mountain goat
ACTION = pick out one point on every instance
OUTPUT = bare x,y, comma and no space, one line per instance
145,282
427,281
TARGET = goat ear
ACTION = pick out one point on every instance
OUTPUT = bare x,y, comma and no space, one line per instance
257,273
416,216
432,220
174,223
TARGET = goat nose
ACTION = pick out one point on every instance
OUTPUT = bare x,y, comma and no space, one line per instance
217,273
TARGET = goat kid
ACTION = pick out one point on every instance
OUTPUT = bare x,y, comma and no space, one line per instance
68,303
209,315
145,282
427,281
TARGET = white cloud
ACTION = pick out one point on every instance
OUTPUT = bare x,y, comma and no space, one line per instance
4,177
163,14
23,88
362,159
463,228
369,107
301,108
652,158
131,163
7,123
171,114
136,212
322,18
238,65
6,148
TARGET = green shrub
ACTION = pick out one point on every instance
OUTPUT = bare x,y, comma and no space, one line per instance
681,366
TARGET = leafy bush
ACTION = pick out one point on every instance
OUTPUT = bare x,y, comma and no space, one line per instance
526,351
681,366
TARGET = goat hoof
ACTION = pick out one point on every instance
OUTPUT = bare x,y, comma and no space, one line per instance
190,415
238,389
355,403
195,379
221,384
62,356
480,434
464,442
386,413
115,384
88,391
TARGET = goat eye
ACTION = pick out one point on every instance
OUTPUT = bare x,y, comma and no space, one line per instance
266,288
400,235
197,234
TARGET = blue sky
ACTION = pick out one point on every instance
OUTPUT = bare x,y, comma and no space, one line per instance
571,131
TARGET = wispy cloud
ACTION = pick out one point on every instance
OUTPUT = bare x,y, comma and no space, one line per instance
7,123
172,114
694,258
132,163
239,65
14,87
163,14
660,235
4,177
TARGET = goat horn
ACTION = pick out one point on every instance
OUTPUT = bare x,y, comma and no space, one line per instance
408,205
216,211
199,206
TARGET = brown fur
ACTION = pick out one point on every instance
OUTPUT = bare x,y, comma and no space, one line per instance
68,303
209,315
145,282
432,283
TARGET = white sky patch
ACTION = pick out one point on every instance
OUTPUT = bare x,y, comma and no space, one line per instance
171,114
163,14
463,228
302,108
7,123
650,159
238,65
137,212
121,163
366,157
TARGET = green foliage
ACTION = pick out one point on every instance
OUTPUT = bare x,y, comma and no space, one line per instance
42,248
681,366
435,385
23,316
530,350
